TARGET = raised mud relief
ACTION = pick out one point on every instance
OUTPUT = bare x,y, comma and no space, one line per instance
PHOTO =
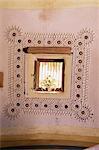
76,106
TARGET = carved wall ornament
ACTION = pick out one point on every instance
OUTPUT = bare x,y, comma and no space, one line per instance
76,106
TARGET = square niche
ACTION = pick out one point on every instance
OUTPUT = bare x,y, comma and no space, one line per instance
48,72
49,75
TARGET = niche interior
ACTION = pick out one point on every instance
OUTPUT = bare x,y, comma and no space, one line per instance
48,71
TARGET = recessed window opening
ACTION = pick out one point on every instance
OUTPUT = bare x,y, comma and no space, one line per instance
49,75
47,72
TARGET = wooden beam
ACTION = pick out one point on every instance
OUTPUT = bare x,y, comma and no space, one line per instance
48,139
1,79
47,50
51,135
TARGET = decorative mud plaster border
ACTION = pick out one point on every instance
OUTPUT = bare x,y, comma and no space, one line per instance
76,106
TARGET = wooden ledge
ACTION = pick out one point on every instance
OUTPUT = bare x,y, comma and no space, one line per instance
1,79
47,50
48,139
51,135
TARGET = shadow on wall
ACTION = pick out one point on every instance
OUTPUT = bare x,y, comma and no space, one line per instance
48,147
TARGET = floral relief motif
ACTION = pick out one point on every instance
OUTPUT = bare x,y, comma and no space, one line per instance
11,111
74,106
86,36
83,114
12,32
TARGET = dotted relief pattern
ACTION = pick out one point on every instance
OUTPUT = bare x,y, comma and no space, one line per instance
76,106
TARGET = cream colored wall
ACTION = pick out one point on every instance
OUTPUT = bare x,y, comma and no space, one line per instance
49,21
30,4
